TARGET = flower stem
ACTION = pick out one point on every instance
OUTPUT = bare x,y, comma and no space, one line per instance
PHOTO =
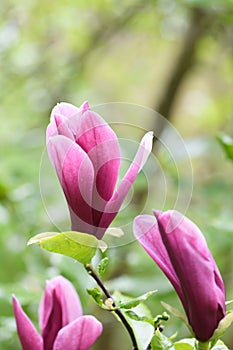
203,346
129,329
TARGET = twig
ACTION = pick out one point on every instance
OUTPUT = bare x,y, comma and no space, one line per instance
129,329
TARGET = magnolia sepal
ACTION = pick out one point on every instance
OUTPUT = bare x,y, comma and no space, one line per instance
223,325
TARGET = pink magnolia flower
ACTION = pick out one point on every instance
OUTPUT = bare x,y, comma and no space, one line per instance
178,247
85,153
61,321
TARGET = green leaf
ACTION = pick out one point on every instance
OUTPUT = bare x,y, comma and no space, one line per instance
136,301
227,143
79,246
161,342
155,322
185,344
220,346
223,325
97,296
136,317
143,330
102,266
159,318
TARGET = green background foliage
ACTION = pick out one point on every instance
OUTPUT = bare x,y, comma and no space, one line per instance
174,56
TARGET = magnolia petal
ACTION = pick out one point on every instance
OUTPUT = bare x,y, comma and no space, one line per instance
79,225
144,150
76,175
63,128
28,335
63,111
70,302
59,306
80,334
99,141
200,279
146,230
46,306
68,299
50,328
51,130
117,199
85,106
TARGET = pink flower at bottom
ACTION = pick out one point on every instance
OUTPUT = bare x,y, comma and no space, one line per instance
61,321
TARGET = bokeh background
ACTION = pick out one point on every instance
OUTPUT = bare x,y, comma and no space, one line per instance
173,56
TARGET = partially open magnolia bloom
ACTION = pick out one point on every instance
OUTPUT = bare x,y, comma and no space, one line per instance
178,247
85,153
61,321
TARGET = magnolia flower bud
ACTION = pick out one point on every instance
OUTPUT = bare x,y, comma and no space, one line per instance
61,321
178,247
85,153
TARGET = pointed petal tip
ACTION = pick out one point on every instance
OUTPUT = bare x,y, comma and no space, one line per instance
14,300
58,120
59,105
28,335
157,213
142,224
85,106
147,140
144,150
171,219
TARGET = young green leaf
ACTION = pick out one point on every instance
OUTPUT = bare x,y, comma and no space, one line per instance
185,344
136,301
136,317
102,266
79,246
97,296
159,318
161,342
227,143
220,346
143,330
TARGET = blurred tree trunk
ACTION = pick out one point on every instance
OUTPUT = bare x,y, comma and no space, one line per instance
103,33
199,25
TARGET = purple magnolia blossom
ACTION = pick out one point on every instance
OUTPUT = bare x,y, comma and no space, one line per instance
178,247
85,153
61,321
